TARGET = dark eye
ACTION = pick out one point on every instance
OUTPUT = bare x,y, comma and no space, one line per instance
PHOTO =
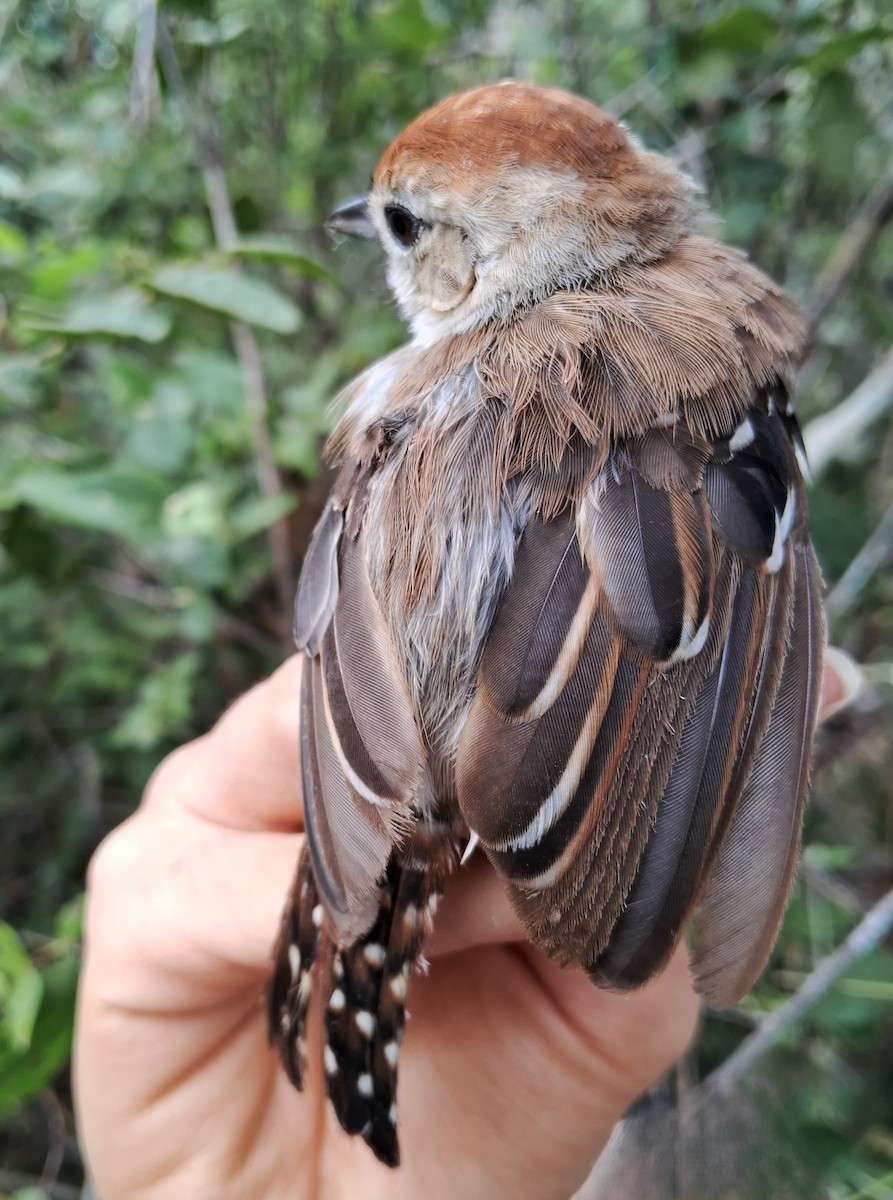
403,225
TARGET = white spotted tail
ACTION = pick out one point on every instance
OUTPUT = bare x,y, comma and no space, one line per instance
363,992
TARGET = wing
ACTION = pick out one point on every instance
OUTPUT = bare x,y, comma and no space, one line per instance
639,740
361,756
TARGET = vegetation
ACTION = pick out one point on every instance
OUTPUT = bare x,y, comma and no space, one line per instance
173,324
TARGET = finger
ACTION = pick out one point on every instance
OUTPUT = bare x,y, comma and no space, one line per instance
245,773
184,913
842,681
505,1031
475,911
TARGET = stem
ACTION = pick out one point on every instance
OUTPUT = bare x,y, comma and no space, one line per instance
830,436
874,926
143,90
850,251
245,343
873,555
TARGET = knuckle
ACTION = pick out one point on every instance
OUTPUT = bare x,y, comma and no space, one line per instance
111,868
170,774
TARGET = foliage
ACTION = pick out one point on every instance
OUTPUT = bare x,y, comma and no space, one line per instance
136,579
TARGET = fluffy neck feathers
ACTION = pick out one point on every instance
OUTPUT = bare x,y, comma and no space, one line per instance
691,335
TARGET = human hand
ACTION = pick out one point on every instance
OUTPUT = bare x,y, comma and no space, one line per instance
513,1071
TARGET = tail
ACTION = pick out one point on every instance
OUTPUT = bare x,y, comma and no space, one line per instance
363,988
297,950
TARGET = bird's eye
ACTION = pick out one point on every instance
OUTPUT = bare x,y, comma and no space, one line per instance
403,225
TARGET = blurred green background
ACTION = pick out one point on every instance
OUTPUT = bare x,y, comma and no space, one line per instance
173,324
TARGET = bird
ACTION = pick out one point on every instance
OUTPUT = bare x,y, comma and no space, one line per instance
562,607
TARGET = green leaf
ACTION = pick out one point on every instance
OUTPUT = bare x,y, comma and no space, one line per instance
161,432
24,1074
405,26
119,502
20,376
281,248
741,31
57,271
163,706
259,513
199,32
124,314
70,920
196,510
20,1008
13,955
13,244
836,123
64,181
840,48
232,293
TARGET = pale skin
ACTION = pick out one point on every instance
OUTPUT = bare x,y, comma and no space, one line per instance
513,1071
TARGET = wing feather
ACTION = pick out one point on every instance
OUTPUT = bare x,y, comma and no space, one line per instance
712,761
318,585
361,756
742,904
628,708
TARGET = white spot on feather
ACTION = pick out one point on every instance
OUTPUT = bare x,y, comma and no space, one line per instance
329,1061
782,529
316,916
743,436
294,961
337,1000
365,1022
397,985
374,954
392,1053
802,460
364,1086
692,641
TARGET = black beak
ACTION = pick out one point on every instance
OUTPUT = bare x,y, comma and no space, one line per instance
352,217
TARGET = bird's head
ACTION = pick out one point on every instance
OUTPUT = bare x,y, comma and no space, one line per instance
499,196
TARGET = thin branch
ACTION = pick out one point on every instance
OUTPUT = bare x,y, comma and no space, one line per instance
874,554
850,251
143,87
55,1115
245,343
831,435
155,596
874,926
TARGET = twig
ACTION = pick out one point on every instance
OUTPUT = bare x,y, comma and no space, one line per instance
829,887
829,436
55,1115
850,251
247,350
871,929
143,91
7,12
154,596
873,555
